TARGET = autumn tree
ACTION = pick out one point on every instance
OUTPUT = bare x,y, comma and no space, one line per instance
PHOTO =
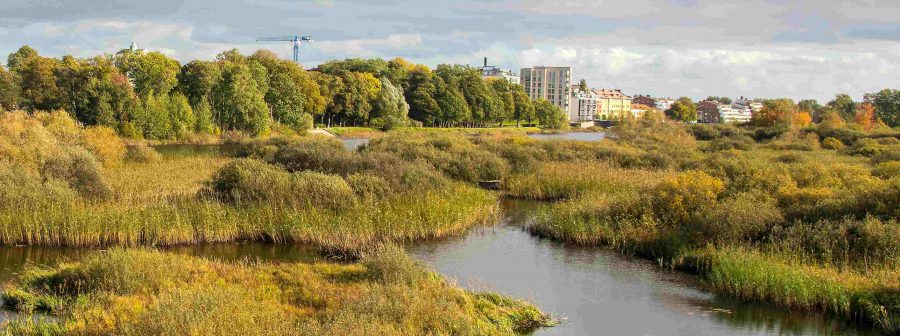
865,116
9,90
775,111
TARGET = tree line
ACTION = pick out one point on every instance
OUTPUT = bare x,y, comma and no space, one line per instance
877,109
150,95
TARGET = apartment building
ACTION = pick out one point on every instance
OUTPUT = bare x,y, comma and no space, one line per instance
551,83
583,106
708,112
612,104
493,72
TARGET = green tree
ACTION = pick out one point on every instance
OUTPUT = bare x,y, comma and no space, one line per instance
197,80
549,115
505,103
583,86
15,61
239,102
844,105
293,96
887,106
420,94
390,109
452,106
38,84
721,100
181,116
150,72
683,109
524,106
9,90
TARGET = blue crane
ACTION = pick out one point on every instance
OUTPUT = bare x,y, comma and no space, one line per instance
295,40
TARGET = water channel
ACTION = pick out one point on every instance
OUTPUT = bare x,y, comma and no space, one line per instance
595,291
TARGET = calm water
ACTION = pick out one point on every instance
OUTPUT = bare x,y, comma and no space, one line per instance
585,136
597,291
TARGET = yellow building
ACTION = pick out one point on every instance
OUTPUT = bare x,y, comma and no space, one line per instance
612,104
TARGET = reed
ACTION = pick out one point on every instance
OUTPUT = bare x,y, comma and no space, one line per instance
147,292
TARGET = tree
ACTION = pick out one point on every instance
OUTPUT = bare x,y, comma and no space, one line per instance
503,96
239,102
549,115
721,100
775,112
887,106
9,90
524,106
583,86
197,80
293,96
811,107
865,116
37,83
451,104
390,109
683,109
420,94
844,105
353,102
150,72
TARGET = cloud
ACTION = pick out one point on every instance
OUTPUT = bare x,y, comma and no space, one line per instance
763,48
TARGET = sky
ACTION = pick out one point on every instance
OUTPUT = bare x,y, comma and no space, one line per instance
761,49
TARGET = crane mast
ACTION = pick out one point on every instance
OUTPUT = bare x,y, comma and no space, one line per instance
295,40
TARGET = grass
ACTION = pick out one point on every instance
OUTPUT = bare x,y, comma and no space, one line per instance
146,292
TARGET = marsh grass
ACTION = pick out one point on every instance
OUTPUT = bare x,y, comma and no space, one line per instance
146,292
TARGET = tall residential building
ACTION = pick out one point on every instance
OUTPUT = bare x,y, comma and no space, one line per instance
583,106
493,72
551,83
612,104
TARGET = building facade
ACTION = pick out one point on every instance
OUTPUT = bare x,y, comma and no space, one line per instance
493,72
612,104
735,113
551,83
708,112
644,100
583,106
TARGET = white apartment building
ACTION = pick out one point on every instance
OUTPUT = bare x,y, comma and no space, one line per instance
664,103
493,72
735,113
551,83
583,106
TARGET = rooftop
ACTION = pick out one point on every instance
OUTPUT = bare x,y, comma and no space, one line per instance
607,93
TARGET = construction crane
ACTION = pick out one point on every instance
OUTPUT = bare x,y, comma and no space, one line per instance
295,40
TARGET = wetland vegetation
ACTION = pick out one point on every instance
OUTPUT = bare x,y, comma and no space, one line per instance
779,215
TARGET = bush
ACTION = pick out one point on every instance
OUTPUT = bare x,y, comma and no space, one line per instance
832,143
142,153
681,198
887,170
391,265
254,181
81,170
318,153
369,187
105,145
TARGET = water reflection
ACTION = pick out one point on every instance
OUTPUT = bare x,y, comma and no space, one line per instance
580,136
600,291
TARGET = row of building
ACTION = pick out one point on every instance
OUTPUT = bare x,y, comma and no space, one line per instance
555,85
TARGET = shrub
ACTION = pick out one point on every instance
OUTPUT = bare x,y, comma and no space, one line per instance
887,170
832,143
681,197
296,154
391,265
369,187
254,181
105,145
142,153
81,170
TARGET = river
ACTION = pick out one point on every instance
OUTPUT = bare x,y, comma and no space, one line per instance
596,291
